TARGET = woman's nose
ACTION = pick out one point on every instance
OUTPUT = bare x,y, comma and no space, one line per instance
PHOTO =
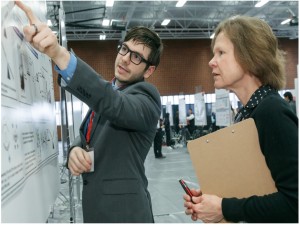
212,62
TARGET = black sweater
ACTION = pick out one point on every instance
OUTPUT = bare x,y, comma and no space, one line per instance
277,129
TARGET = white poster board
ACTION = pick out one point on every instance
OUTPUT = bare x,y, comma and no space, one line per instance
170,111
29,162
200,110
223,108
182,112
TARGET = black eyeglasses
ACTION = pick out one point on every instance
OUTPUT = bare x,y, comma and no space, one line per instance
135,57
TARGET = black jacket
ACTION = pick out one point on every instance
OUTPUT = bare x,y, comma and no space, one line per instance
277,128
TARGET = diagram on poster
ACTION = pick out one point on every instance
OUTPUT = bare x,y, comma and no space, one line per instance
182,112
29,138
223,108
200,110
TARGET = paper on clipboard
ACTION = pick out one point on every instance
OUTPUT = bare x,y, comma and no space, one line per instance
229,162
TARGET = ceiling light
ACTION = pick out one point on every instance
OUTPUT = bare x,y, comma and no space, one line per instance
285,21
109,3
62,24
102,37
165,22
49,23
105,22
261,3
212,36
180,3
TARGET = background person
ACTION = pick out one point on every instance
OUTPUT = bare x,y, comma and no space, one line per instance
123,115
169,141
190,120
158,141
213,127
289,98
176,122
253,68
190,125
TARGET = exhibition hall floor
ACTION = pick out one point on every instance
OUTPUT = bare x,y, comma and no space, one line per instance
166,192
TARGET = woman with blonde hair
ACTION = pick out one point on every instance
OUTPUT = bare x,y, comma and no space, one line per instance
247,61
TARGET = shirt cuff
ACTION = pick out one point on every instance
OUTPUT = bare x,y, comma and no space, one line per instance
68,73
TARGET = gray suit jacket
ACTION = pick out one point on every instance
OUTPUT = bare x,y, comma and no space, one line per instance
123,131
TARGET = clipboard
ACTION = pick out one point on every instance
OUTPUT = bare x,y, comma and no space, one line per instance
229,162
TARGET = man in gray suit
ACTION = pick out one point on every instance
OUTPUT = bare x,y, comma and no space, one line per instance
118,131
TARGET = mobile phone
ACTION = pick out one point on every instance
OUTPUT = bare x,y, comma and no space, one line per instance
186,188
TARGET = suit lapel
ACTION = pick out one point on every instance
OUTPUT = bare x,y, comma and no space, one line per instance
97,117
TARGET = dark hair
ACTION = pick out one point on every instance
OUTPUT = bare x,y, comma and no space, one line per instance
149,38
289,95
255,48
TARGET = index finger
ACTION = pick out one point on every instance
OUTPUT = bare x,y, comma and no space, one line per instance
27,10
187,198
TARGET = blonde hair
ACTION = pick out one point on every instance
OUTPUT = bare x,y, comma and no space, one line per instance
255,49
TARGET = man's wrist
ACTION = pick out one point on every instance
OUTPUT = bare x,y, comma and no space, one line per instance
67,74
62,59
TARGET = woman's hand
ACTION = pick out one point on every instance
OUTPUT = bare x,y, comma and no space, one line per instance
207,208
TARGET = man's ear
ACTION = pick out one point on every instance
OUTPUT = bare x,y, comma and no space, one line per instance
149,71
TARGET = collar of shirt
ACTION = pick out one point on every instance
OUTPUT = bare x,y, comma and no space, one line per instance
116,87
113,84
255,99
